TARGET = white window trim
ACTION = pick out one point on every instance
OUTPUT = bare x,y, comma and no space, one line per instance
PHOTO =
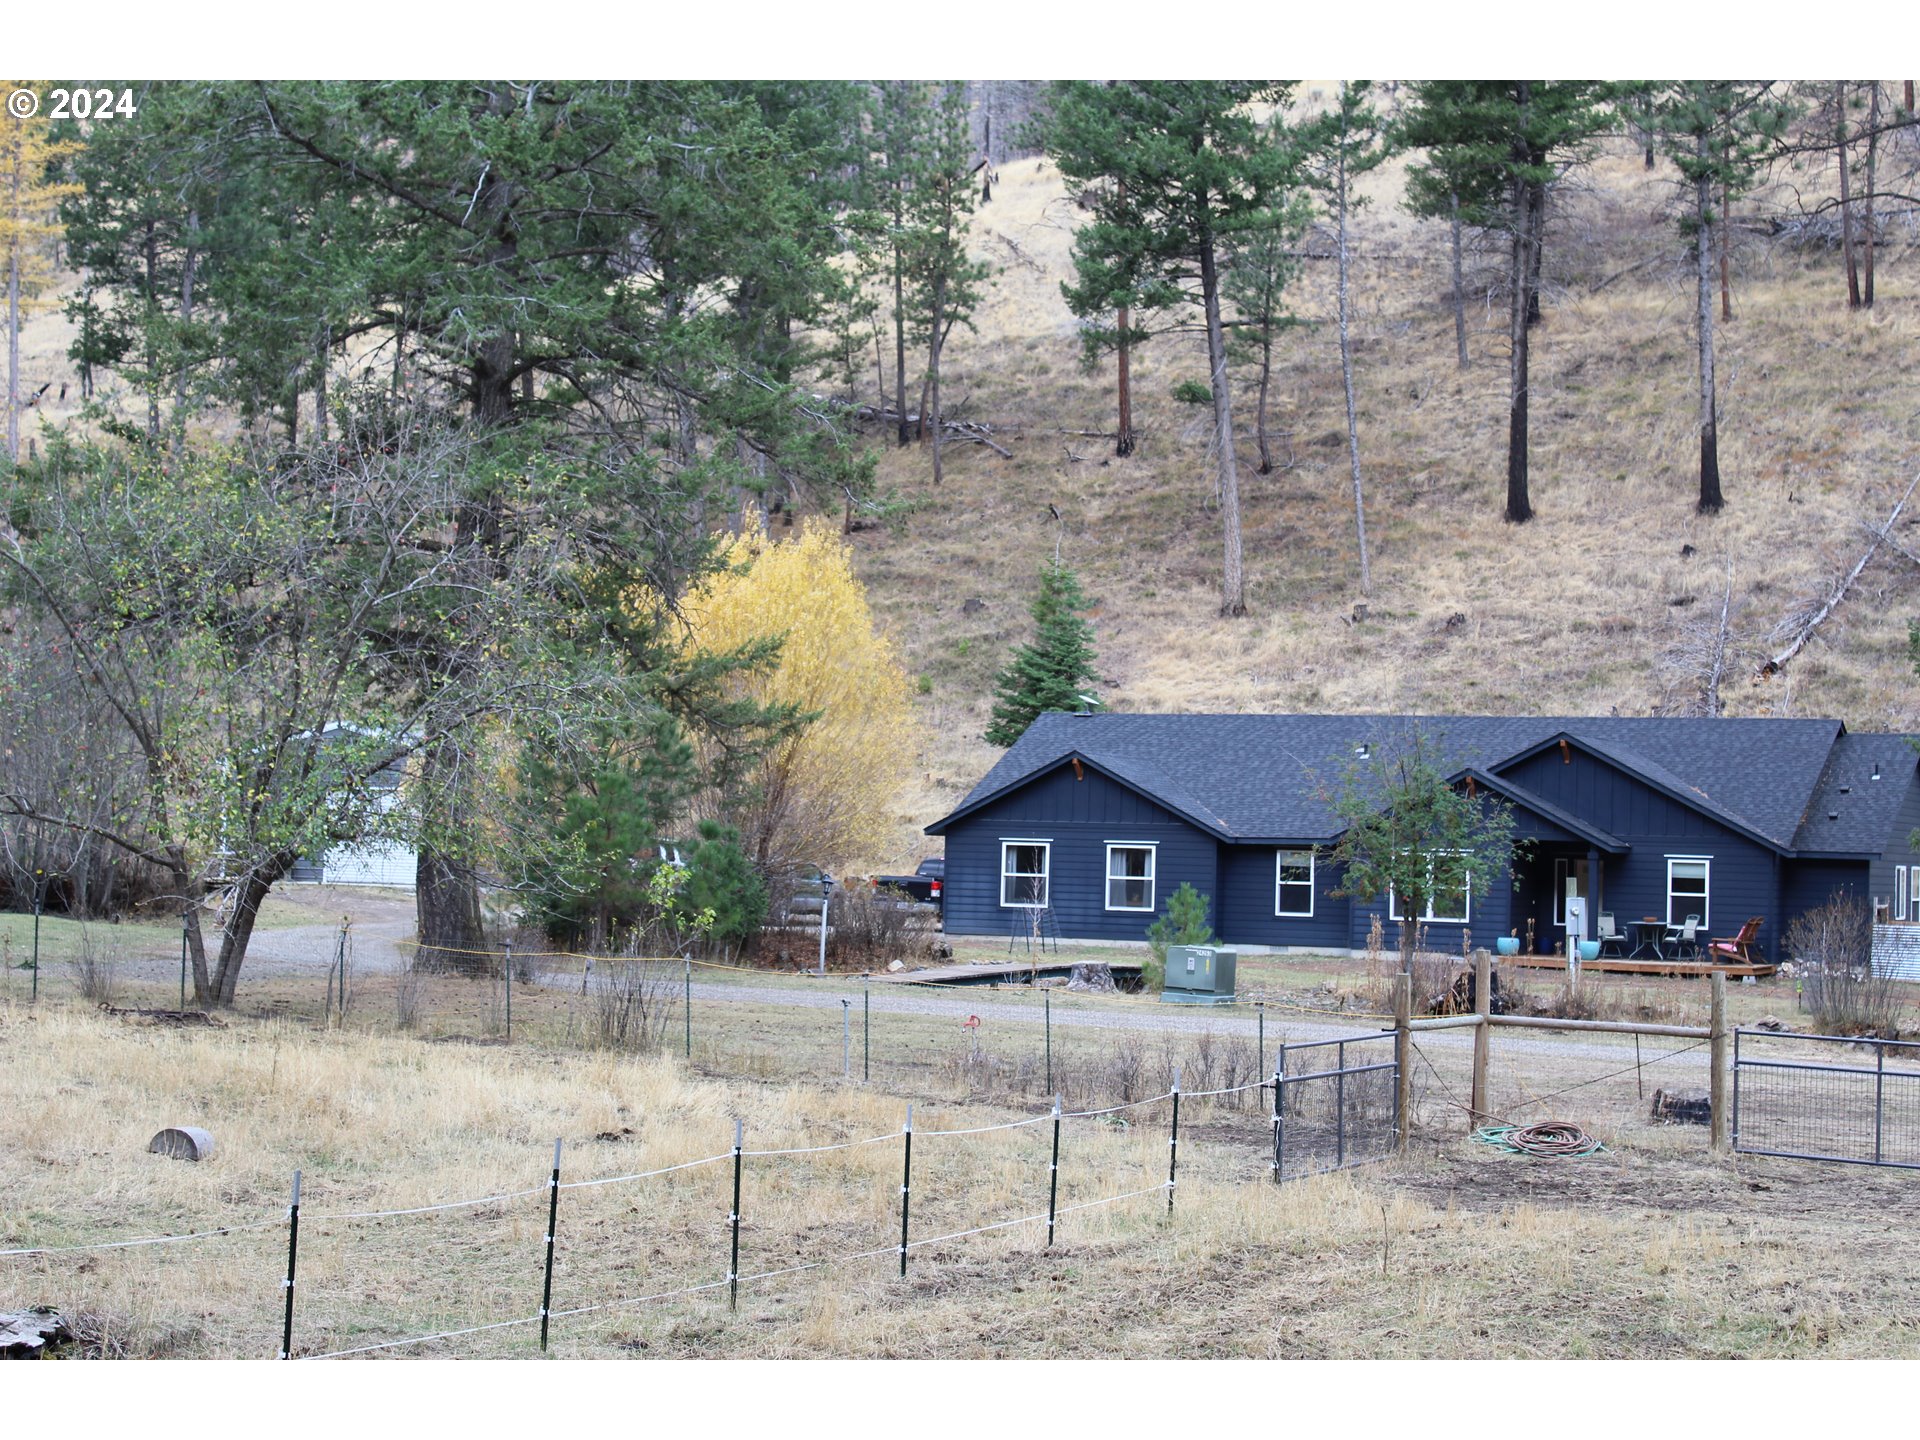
1466,894
1313,885
1046,874
1706,896
1913,894
1152,847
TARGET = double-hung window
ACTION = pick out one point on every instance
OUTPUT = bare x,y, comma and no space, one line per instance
1023,873
1453,907
1293,883
1130,869
1688,878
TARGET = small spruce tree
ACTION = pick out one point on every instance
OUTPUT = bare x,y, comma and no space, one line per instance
1055,671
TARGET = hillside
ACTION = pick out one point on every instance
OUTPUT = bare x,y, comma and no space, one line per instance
1570,613
1573,612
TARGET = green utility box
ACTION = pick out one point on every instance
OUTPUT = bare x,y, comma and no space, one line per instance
1199,975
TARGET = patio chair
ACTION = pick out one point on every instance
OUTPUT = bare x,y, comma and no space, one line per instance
1739,949
1686,943
1606,934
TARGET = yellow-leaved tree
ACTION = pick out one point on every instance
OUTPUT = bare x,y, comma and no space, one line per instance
822,797
28,229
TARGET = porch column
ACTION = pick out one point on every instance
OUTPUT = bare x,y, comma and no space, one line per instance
1595,884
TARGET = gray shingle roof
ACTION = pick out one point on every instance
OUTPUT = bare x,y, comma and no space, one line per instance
1273,777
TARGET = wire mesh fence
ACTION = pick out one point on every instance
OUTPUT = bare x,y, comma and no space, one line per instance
1819,1097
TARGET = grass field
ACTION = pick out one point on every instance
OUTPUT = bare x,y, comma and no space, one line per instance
1651,1249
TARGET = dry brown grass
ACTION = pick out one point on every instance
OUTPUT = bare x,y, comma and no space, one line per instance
1651,1249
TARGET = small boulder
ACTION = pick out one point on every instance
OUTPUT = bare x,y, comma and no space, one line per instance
183,1142
1096,978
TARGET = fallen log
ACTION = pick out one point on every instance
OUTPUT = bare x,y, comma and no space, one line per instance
1801,627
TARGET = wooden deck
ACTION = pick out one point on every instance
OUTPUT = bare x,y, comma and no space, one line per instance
1010,972
1613,965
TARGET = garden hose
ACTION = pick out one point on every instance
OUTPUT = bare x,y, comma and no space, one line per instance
1550,1140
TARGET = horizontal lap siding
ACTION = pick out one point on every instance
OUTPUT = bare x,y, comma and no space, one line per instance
1246,902
1078,817
1809,884
1743,880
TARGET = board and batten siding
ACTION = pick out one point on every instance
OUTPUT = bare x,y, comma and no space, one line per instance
1745,878
1077,817
1895,850
1246,901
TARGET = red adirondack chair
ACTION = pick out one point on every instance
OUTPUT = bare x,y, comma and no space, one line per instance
1739,949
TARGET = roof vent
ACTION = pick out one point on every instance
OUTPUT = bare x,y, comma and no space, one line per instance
1833,814
1846,789
1876,770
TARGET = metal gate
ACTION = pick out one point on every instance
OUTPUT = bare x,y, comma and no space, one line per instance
1826,1097
1334,1105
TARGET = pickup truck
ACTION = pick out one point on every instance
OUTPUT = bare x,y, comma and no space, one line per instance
924,885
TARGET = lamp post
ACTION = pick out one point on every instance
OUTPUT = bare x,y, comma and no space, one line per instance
826,899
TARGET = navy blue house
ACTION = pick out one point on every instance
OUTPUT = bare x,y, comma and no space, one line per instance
1100,817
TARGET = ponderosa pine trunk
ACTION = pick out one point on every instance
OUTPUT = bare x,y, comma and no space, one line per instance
1537,212
320,359
13,306
1346,370
188,266
1519,507
1459,287
1846,199
1260,402
152,258
934,346
1710,499
1233,584
899,319
1873,156
1726,285
1123,442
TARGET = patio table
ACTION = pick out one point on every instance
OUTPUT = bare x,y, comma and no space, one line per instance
1649,935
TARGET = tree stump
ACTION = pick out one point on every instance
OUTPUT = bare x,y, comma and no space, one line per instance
25,1334
1094,977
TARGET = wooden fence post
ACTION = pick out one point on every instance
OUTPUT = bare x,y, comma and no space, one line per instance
1482,1034
1403,1058
1717,1084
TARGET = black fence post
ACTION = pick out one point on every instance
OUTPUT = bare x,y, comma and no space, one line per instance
1279,1091
1053,1174
293,1255
1173,1140
509,992
183,959
733,1265
866,1027
1260,1020
906,1188
689,1009
1047,997
553,1221
846,1038
39,898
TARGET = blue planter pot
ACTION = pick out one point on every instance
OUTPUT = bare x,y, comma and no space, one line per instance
1507,945
1589,949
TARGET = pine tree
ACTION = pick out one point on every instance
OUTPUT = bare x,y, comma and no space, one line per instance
1718,133
1508,140
28,197
1055,671
1184,164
